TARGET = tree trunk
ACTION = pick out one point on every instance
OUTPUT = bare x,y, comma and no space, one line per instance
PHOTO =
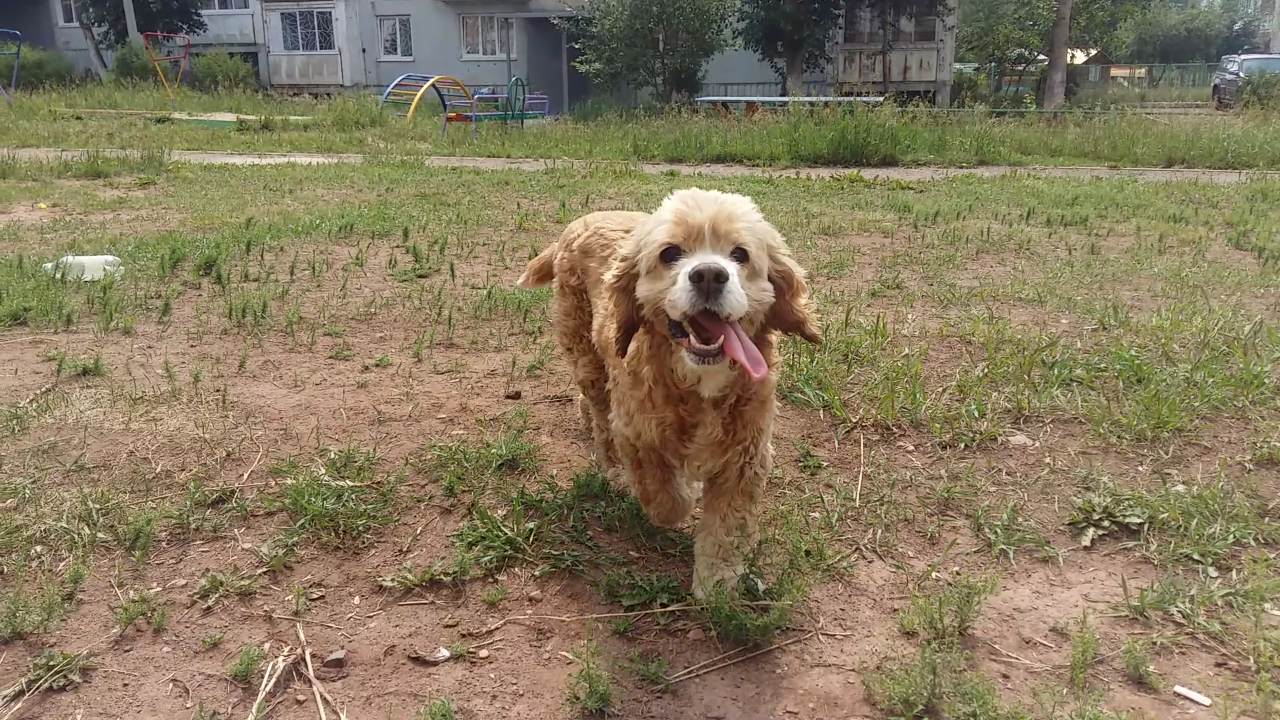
96,61
795,73
1055,86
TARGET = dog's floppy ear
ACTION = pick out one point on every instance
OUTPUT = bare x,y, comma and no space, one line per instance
620,289
791,312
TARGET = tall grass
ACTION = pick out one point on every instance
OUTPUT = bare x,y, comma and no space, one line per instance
848,137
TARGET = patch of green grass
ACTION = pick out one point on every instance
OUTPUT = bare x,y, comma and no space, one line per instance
141,605
936,684
215,585
83,366
202,509
1007,530
590,687
472,467
885,136
1084,652
209,642
24,611
440,708
1135,655
246,664
651,668
948,614
338,499
494,595
639,590
1207,522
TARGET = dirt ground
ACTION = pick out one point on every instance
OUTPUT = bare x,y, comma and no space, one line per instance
200,396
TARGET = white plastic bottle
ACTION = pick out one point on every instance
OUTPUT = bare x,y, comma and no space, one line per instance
84,267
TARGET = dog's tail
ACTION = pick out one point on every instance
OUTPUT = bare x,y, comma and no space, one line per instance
541,270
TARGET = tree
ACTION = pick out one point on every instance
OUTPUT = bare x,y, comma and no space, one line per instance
1168,34
167,16
1055,86
1012,33
887,14
657,44
793,36
1002,34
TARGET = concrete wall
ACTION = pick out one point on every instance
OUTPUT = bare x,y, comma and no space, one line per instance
437,42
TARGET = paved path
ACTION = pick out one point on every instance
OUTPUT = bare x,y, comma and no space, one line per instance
900,173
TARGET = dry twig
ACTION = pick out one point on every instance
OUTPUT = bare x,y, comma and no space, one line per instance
686,675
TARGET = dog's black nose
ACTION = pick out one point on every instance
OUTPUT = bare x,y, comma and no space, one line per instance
709,280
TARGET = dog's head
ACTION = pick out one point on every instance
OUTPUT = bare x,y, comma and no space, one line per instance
708,268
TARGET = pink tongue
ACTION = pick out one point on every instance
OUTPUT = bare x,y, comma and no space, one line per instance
737,345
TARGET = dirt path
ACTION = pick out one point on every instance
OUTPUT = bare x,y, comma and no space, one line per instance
896,173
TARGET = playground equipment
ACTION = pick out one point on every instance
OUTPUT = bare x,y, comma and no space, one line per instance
460,104
174,49
409,88
7,37
516,105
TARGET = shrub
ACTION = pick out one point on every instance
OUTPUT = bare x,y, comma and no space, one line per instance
220,71
1260,92
130,64
38,68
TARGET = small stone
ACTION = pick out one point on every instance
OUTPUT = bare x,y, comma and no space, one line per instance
440,655
180,582
536,596
546,656
336,660
314,595
300,699
717,715
483,654
697,635
166,649
513,395
791,711
450,622
1020,440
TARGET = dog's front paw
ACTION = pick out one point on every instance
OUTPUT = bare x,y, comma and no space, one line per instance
707,575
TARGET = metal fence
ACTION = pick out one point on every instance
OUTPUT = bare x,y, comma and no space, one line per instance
762,89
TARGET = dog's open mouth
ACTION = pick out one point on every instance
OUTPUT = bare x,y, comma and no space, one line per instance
708,338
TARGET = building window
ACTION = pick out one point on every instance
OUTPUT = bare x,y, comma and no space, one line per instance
484,37
67,12
307,31
926,29
397,38
212,5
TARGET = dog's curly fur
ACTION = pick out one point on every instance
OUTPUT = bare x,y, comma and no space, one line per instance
663,423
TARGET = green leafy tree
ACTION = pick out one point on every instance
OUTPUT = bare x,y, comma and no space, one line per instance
166,16
1003,34
663,45
793,36
1170,34
1008,34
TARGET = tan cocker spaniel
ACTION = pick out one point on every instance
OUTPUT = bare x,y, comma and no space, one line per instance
670,321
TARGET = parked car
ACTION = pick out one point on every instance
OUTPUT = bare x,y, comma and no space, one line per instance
1233,69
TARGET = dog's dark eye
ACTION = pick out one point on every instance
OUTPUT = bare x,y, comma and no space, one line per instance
739,255
670,254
